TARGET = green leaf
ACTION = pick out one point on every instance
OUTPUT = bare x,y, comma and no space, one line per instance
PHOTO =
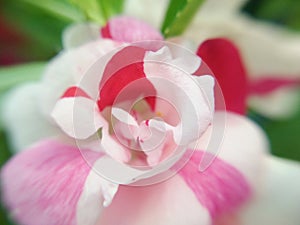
99,10
111,7
60,8
179,15
13,75
39,31
91,9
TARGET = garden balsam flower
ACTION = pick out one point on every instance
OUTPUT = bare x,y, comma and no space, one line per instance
86,156
271,53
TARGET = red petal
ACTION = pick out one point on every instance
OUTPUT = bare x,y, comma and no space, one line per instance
75,92
122,70
224,60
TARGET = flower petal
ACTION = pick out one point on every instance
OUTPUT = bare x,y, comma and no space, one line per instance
277,202
126,29
179,89
224,60
23,119
221,188
43,184
78,34
242,144
123,78
78,117
169,202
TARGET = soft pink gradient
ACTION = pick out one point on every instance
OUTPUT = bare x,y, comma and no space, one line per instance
127,29
42,185
220,188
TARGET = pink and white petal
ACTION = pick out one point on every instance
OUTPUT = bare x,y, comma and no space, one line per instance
43,184
243,145
113,148
68,69
22,118
221,188
206,84
180,90
151,11
96,190
128,29
176,56
78,34
78,117
124,116
169,202
277,201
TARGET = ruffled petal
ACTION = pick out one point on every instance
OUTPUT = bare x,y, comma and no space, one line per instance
179,88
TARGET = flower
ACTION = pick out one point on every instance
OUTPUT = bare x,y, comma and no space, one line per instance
58,178
270,52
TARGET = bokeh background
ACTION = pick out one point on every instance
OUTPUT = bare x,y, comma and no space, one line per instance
30,31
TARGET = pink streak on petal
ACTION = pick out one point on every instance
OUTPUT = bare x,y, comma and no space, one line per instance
221,188
42,185
126,29
264,86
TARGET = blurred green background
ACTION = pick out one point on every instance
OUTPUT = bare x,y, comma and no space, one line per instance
31,30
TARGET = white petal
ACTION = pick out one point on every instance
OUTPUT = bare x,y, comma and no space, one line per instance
179,89
79,34
239,142
123,116
23,119
120,173
278,200
113,148
207,83
95,190
78,117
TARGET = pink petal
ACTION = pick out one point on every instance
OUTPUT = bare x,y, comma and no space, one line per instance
221,188
264,86
126,29
225,61
168,203
42,185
